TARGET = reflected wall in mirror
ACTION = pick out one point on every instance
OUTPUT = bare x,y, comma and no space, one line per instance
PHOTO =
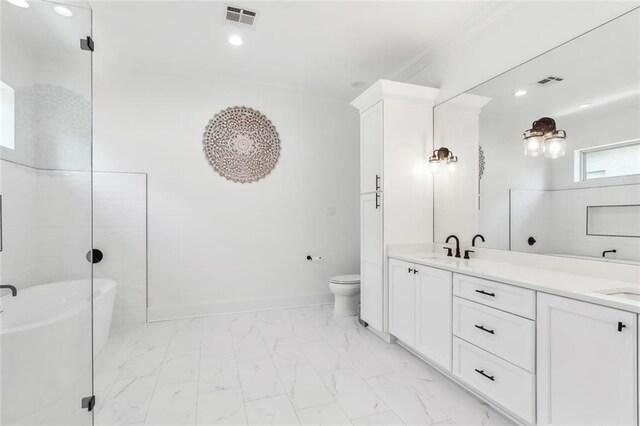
513,191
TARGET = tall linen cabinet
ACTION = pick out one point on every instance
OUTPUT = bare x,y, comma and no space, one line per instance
396,199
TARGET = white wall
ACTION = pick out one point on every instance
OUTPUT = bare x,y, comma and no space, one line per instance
593,127
120,232
215,245
514,33
46,224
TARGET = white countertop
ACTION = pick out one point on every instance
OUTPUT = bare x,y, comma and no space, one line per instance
581,287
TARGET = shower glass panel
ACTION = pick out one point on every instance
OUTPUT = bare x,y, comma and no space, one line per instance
45,184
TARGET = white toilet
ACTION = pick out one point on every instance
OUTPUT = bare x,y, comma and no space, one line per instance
346,289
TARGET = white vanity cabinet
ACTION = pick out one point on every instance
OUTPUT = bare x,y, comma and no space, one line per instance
420,309
371,143
402,296
371,260
433,314
396,203
494,342
587,363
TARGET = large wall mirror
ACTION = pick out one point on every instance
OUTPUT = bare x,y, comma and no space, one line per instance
572,187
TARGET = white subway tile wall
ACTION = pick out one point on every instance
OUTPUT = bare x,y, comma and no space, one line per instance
120,232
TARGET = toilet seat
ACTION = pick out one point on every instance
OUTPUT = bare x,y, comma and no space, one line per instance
345,279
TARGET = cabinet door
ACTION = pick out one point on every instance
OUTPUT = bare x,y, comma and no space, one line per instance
371,261
434,293
402,300
371,137
587,359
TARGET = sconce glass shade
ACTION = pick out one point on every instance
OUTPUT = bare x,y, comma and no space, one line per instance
554,145
544,138
443,157
533,145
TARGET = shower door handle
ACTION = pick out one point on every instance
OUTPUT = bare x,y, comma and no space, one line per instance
94,256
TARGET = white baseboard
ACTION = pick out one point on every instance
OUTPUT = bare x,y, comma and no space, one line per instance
163,313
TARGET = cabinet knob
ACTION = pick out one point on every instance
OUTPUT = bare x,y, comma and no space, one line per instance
621,326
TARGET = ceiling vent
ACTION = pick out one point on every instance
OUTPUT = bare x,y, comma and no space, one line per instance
548,81
238,15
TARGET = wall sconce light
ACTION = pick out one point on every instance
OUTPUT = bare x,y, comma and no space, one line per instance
543,138
443,157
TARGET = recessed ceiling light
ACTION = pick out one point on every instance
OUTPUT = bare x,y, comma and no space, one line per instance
20,3
235,40
520,93
584,106
63,11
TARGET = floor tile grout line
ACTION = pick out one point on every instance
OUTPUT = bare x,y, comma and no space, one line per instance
155,387
278,372
235,357
195,415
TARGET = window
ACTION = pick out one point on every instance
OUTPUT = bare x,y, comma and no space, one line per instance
7,122
618,159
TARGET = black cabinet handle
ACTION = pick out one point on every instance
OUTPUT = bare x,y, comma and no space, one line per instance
377,200
492,378
621,326
481,327
486,293
415,271
377,182
410,270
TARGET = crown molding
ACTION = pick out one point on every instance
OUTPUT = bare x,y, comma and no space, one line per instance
489,14
467,101
387,89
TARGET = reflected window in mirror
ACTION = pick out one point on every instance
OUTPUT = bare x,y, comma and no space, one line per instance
613,160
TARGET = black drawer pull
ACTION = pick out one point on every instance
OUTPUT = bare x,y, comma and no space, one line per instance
410,270
621,326
415,271
481,327
486,293
377,182
492,378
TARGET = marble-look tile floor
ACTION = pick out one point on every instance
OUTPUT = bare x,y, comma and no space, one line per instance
280,367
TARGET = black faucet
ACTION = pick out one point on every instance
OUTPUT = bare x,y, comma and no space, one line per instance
457,243
473,240
14,291
608,251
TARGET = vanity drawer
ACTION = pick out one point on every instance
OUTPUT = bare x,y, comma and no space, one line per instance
517,300
508,336
510,386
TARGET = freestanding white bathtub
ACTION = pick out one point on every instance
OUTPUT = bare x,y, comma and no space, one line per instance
45,336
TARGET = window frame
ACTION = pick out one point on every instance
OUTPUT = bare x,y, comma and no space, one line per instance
580,159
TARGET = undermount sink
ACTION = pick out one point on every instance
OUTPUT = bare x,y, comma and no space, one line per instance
435,256
624,293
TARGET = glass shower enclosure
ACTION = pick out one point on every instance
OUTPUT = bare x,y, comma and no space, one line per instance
46,292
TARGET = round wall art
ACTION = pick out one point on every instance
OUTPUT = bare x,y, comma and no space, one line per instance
241,144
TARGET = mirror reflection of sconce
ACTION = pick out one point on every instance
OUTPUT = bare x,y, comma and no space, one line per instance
543,138
442,157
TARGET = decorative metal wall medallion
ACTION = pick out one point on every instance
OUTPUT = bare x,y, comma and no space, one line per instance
481,162
241,144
